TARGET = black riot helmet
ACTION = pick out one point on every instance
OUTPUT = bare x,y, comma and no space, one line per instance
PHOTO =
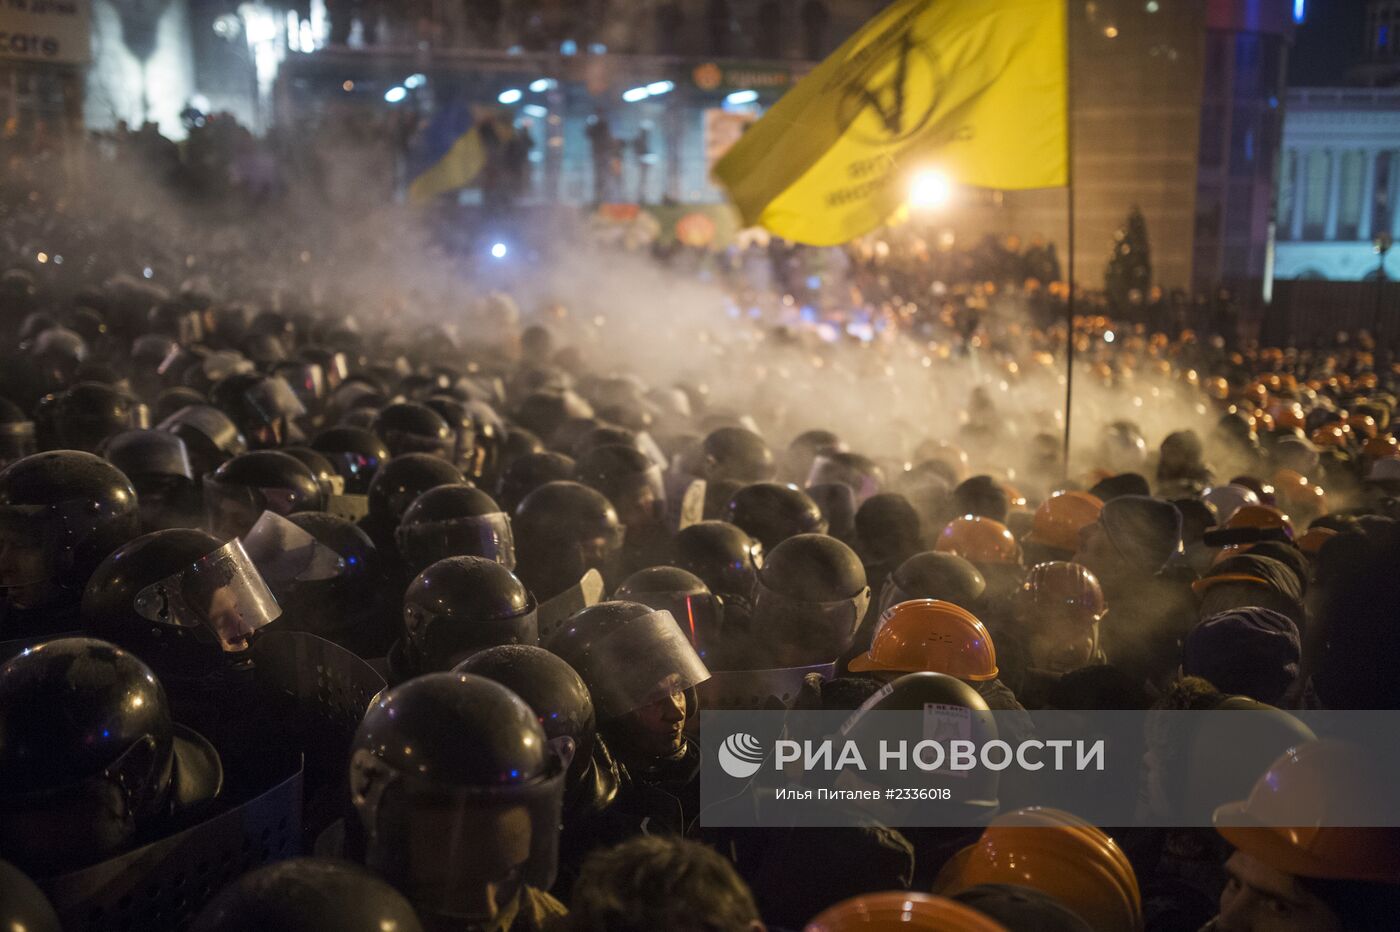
630,480
57,352
307,895
459,795
211,438
721,554
239,491
772,513
17,438
454,521
158,466
543,412
549,686
810,597
698,612
334,366
355,453
321,467
860,473
528,473
87,414
262,406
23,905
60,513
932,575
562,530
171,400
463,426
181,599
400,481
736,453
490,443
307,381
629,654
458,606
406,427
89,759
349,607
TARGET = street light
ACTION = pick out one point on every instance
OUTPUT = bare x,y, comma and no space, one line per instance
930,189
1381,244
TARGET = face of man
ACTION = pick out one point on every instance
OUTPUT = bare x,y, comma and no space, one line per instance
1258,898
655,731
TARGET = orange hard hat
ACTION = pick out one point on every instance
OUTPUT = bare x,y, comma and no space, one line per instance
1320,786
1260,516
1218,387
1381,447
1061,517
1256,394
1301,497
1058,854
1288,414
1263,421
902,911
930,636
979,540
1312,540
1363,424
1059,590
1331,435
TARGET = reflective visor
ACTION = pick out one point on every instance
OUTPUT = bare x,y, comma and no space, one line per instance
274,399
488,536
285,554
222,592
650,657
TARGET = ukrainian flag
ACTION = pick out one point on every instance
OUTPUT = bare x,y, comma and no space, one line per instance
974,88
449,155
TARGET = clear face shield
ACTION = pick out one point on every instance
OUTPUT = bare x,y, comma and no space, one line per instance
487,536
221,592
458,853
808,628
699,614
827,470
285,555
209,422
642,501
306,380
233,509
648,658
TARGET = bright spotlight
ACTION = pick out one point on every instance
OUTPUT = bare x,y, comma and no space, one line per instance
510,96
395,94
1108,336
739,98
657,88
635,94
415,80
498,250
930,189
540,85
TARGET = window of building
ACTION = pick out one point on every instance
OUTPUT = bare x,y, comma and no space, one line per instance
1381,206
1287,192
769,42
1316,172
816,18
1349,210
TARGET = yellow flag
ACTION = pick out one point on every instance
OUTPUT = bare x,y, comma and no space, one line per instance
457,168
972,88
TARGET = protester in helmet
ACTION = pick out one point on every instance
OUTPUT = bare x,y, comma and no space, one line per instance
238,492
305,895
61,513
634,486
739,454
458,794
808,602
887,532
349,606
804,448
641,671
264,408
991,547
860,474
396,486
407,427
159,468
85,415
528,473
981,496
563,530
90,761
1248,580
1058,854
722,555
454,520
1328,877
1055,528
1057,612
700,615
456,607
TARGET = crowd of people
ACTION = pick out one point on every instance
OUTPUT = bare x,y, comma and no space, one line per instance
296,515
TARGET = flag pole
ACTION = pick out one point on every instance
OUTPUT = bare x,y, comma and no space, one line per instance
1069,197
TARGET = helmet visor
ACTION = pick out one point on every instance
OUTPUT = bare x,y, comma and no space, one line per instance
210,422
829,624
639,661
221,591
488,536
827,470
285,554
233,509
274,399
455,852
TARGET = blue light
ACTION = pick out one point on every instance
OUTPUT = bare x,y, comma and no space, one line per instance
568,47
415,80
657,88
635,94
395,94
1300,10
739,98
535,110
510,96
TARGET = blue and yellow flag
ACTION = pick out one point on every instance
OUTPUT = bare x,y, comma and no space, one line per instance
449,155
973,88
